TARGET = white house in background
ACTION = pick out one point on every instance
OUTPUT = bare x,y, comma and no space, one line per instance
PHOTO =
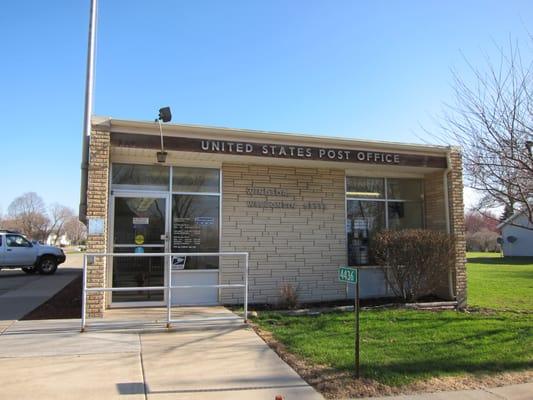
517,236
52,240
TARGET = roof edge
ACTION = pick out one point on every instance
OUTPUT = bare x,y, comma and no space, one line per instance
111,124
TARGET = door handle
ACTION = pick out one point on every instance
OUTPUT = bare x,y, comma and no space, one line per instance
9,249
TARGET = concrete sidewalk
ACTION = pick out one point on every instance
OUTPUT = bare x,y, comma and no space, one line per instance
211,360
522,391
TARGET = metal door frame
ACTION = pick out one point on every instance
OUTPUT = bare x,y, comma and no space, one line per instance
165,247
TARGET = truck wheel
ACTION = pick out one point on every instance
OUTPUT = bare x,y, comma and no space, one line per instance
29,270
47,266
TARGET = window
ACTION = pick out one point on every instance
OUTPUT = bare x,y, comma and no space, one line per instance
17,241
206,180
365,188
404,198
195,229
364,220
374,204
195,216
140,177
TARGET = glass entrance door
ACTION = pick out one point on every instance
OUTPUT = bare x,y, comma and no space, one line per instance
139,227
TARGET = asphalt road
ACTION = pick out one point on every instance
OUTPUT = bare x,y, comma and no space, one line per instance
20,293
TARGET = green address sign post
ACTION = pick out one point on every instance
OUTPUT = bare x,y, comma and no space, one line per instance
351,276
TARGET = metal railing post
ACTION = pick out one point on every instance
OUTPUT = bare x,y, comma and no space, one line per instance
246,289
169,291
84,292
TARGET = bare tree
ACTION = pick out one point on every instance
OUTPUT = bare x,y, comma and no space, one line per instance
75,230
27,213
492,120
476,221
59,216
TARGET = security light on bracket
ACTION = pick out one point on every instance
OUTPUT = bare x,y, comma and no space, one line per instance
164,115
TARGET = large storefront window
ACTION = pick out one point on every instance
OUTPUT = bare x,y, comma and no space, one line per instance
373,204
156,209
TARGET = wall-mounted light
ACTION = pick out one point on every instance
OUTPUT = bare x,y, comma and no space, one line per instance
529,147
164,115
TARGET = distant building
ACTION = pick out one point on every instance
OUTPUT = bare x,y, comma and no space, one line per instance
53,240
517,236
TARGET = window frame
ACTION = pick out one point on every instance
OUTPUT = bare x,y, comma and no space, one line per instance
131,187
142,190
385,200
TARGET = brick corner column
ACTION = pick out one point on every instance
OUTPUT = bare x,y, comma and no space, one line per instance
97,204
455,187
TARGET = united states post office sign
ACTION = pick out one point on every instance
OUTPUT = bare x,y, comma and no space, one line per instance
275,150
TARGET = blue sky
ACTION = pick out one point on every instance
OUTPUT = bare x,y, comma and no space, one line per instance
376,69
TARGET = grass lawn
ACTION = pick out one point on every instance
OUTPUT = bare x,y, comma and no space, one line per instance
399,347
500,283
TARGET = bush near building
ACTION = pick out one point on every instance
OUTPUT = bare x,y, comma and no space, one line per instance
415,262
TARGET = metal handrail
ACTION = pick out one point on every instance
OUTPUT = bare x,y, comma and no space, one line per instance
168,287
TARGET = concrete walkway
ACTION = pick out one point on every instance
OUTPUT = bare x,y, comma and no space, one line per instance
210,360
512,392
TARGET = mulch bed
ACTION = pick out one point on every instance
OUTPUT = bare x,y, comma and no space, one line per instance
63,305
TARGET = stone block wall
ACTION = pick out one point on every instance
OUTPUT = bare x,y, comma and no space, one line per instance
97,207
434,204
435,209
457,224
303,246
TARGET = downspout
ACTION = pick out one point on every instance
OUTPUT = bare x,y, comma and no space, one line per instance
447,216
89,86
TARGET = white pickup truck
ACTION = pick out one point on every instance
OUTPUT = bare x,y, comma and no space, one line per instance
18,252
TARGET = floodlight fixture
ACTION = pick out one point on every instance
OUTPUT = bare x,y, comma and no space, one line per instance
164,116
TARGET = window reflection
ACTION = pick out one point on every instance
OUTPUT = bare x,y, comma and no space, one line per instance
405,215
195,229
369,210
206,180
404,189
144,177
364,220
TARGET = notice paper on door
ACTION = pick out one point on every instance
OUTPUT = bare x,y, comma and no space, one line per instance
141,220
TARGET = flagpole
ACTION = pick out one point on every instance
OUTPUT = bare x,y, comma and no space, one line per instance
88,111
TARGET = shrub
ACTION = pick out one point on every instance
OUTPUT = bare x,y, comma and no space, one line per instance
288,296
415,262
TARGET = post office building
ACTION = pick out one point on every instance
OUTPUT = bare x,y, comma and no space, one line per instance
301,206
